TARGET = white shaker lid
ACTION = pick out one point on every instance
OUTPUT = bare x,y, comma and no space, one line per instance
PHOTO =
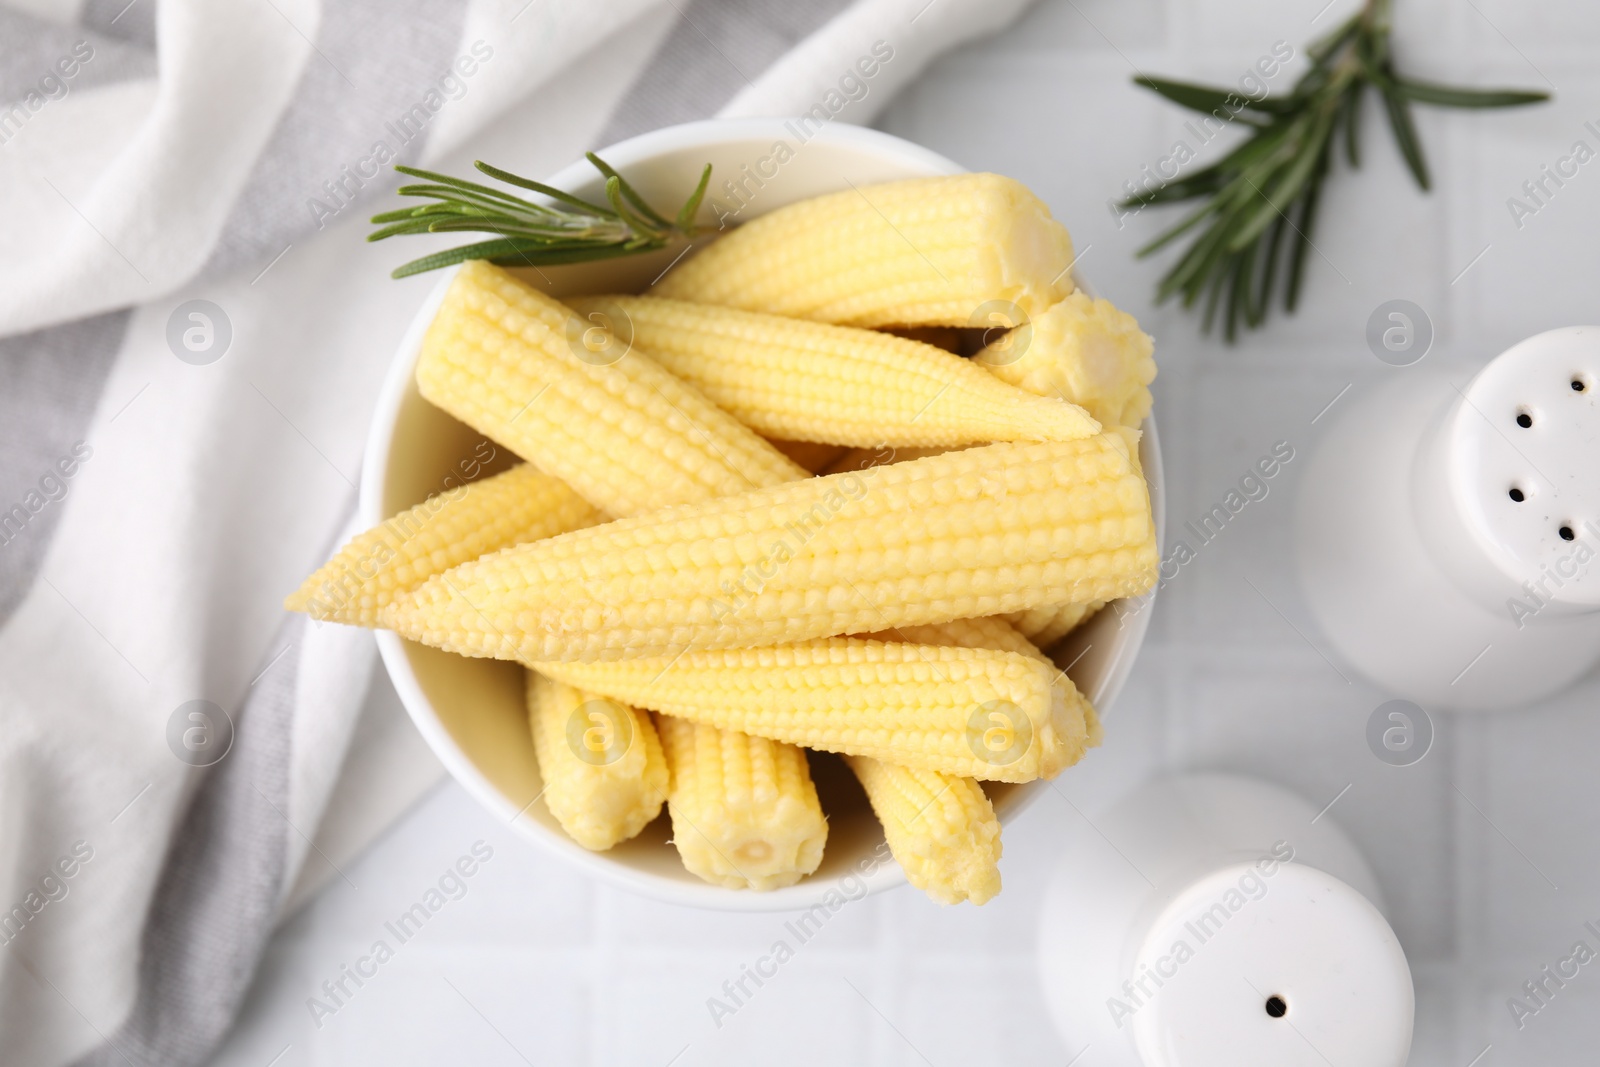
1270,964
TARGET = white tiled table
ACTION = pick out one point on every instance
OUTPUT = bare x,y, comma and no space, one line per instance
1485,850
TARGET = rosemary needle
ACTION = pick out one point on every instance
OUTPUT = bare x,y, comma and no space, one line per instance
1259,202
569,230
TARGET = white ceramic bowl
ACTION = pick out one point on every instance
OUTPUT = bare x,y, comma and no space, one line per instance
471,710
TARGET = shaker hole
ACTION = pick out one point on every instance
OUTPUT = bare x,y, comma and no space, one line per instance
1517,494
1277,1007
1524,420
1566,533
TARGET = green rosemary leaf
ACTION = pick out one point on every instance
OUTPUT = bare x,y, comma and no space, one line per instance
1208,99
568,230
509,228
1405,135
1189,223
1189,275
1302,240
444,183
556,257
1262,298
1353,99
540,187
1454,96
458,200
414,226
691,206
1218,283
1239,283
1176,191
627,191
1324,49
399,214
1288,186
1258,203
614,194
1213,178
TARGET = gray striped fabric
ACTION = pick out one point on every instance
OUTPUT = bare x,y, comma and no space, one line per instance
717,48
131,20
217,900
31,48
218,896
373,61
50,382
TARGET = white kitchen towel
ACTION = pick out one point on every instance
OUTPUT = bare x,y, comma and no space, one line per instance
192,333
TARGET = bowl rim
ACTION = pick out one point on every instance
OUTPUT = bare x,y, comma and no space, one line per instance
392,648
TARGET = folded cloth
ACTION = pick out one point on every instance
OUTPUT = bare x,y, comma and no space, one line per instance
192,335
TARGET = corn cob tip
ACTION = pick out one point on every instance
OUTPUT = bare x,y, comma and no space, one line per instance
461,523
792,379
744,811
1067,730
1082,350
605,777
942,830
918,252
1094,731
1040,418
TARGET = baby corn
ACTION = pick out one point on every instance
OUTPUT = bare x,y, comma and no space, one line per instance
808,381
460,524
605,777
941,829
744,811
633,437
1084,351
925,251
568,397
973,712
1045,626
978,532
1088,352
1073,718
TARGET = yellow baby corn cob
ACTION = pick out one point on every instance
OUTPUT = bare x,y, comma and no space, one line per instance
744,811
978,532
1081,350
555,389
1074,719
808,381
1088,352
941,829
605,777
973,712
925,251
632,437
1045,626
460,524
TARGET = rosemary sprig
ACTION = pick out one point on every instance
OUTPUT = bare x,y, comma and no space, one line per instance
529,234
1260,200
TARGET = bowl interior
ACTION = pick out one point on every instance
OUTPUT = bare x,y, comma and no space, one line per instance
471,710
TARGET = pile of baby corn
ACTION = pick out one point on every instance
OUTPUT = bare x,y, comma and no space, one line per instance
771,507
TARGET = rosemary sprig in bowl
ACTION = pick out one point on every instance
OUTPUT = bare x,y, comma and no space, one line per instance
530,234
1260,200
